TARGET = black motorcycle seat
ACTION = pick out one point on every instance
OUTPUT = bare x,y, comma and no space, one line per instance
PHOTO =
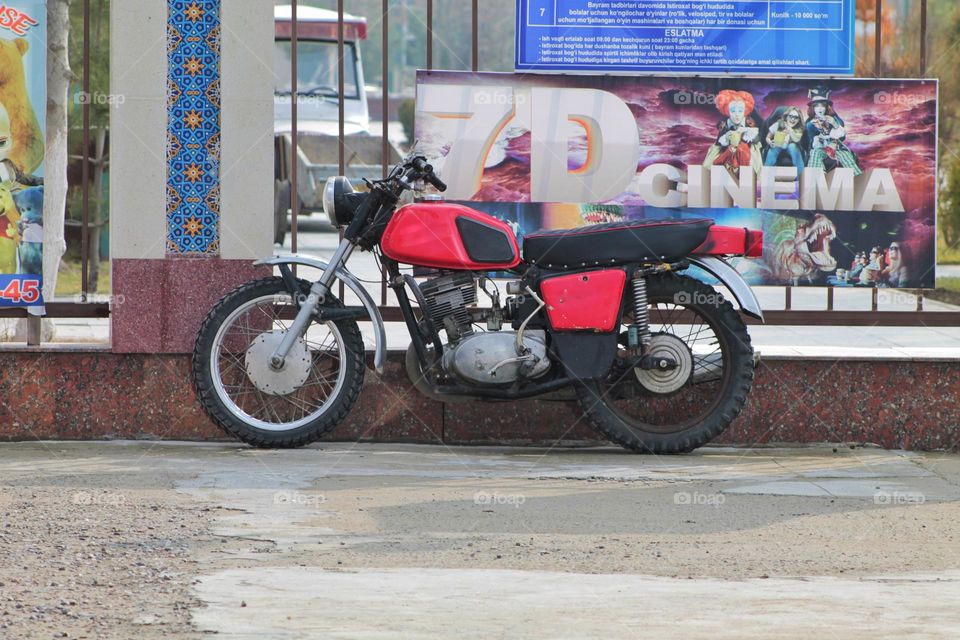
613,243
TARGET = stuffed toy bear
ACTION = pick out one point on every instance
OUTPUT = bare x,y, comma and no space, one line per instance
9,230
30,206
25,139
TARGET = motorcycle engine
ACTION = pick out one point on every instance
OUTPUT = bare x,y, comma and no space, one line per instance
490,357
485,357
446,298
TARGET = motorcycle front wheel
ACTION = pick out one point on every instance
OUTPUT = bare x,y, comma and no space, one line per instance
702,390
267,407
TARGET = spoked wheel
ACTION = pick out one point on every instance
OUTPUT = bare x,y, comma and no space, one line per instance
266,406
701,374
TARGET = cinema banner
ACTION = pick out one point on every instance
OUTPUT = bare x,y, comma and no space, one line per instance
23,106
839,174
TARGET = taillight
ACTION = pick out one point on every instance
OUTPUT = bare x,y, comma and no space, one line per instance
731,241
754,244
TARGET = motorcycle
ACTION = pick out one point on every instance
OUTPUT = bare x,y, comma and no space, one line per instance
659,361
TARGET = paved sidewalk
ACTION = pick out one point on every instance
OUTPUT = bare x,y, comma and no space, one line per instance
152,540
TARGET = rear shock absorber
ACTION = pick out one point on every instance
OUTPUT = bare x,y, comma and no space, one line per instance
638,335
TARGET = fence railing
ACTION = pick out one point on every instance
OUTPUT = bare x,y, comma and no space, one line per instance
787,316
86,308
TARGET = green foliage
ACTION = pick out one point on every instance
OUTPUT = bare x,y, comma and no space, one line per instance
949,284
947,254
99,61
406,111
949,218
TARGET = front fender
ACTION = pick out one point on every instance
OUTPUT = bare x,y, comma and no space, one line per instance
351,282
732,280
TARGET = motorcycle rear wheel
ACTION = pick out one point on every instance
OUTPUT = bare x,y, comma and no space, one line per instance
286,408
662,414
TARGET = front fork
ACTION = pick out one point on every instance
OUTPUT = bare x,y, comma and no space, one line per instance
318,292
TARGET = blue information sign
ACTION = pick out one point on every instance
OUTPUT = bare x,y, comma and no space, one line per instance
783,37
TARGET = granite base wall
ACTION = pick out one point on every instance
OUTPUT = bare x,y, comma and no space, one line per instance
97,395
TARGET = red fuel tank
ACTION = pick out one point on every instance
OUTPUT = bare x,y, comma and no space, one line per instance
449,236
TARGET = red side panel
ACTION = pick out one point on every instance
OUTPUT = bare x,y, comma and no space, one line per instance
587,301
731,241
426,235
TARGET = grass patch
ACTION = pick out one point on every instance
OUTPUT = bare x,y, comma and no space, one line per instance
948,290
68,280
945,254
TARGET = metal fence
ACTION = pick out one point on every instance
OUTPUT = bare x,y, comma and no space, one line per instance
85,308
787,316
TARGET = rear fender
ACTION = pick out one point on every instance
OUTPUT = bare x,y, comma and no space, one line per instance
351,282
732,280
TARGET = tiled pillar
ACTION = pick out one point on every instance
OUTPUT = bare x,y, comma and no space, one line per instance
193,128
192,162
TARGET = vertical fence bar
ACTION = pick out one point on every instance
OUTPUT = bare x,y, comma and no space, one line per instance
923,38
788,298
877,72
878,40
429,34
34,331
829,298
385,116
341,86
85,169
341,149
385,89
475,35
923,74
294,137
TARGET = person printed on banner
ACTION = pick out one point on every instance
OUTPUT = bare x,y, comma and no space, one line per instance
872,273
896,274
853,263
739,142
826,134
859,263
785,137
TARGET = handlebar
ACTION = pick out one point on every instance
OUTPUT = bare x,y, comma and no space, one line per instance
425,170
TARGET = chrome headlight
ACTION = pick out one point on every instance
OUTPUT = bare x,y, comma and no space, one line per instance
336,204
329,199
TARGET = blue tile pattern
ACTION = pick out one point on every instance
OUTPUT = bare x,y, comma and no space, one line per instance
193,127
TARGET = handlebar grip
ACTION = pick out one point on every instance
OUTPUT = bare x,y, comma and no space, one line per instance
436,182
421,165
